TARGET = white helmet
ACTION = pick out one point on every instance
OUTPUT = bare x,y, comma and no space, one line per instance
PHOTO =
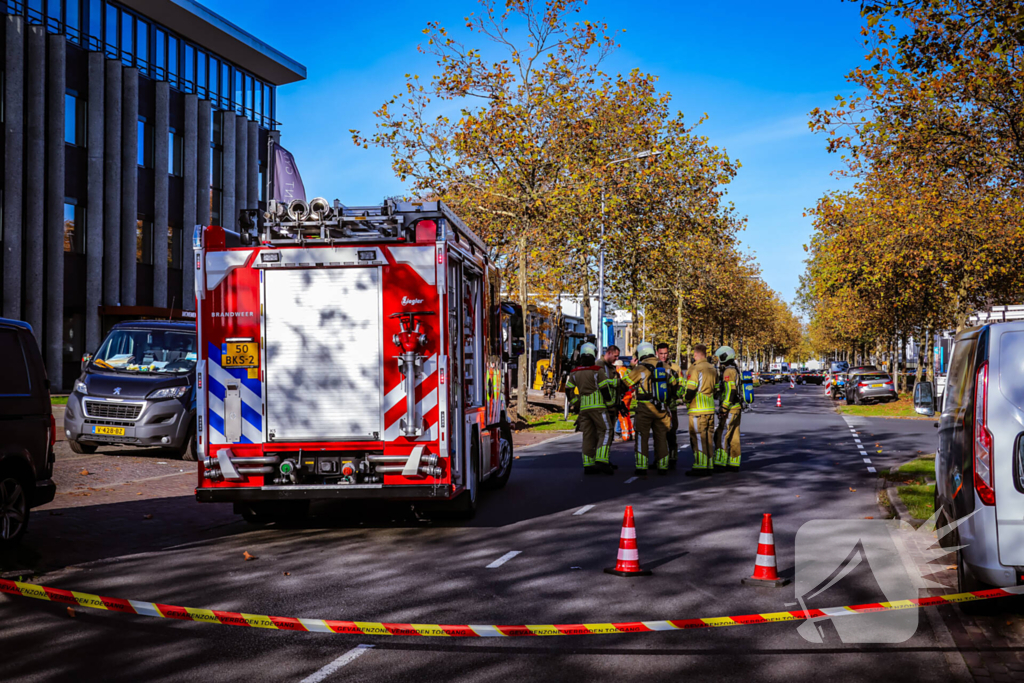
724,354
588,349
644,350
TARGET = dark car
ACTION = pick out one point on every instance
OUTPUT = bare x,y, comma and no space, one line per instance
27,431
814,377
138,389
870,387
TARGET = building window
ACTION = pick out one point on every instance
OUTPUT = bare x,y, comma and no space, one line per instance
96,19
74,227
74,120
145,143
110,32
174,152
189,68
142,57
172,60
72,12
160,56
173,247
214,81
127,38
239,94
201,86
143,241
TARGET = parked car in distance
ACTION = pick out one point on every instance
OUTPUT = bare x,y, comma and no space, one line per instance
870,387
978,466
138,389
27,431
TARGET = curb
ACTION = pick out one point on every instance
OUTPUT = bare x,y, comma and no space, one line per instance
902,512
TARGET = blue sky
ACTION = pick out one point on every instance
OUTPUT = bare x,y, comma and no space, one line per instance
755,67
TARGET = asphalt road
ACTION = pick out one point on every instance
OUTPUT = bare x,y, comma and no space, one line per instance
699,536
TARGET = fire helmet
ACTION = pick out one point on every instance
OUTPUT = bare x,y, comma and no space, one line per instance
724,354
644,350
588,349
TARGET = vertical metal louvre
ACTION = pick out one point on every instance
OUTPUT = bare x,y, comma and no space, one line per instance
323,354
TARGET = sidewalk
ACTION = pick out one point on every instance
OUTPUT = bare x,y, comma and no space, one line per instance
992,645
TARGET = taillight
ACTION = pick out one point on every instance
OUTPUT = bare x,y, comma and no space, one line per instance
862,384
53,431
982,440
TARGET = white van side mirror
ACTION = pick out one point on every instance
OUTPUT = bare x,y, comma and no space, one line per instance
924,399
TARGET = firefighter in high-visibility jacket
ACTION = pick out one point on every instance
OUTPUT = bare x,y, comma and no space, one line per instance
730,410
701,378
673,406
652,384
589,389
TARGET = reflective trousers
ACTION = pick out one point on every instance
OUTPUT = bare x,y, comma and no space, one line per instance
702,439
727,439
597,435
650,420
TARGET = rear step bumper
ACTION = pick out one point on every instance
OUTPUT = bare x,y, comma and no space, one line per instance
326,492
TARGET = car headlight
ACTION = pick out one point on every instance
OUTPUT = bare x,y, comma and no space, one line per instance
81,388
170,392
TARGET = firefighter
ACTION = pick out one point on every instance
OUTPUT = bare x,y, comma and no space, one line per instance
625,421
652,384
727,434
609,361
673,405
589,389
701,378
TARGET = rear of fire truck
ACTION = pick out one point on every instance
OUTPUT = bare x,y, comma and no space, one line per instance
350,352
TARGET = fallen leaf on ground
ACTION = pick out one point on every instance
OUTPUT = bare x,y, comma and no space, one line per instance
950,566
798,495
853,490
518,456
287,573
139,493
248,557
84,472
147,516
869,518
71,611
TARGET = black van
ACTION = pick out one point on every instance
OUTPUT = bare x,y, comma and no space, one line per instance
27,431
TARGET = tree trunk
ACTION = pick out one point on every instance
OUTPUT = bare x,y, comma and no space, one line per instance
524,365
679,329
903,362
585,308
920,359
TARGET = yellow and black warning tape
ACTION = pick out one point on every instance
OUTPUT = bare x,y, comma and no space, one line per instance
208,616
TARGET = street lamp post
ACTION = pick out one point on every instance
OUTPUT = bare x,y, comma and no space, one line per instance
600,276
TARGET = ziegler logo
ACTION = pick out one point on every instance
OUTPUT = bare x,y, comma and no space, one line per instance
233,314
406,301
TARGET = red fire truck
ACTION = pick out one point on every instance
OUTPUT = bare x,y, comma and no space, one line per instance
351,352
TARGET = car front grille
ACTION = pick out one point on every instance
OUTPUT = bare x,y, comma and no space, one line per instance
112,411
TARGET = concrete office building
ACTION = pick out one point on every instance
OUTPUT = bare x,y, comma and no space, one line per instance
125,125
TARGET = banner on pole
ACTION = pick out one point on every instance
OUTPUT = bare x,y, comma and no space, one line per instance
287,181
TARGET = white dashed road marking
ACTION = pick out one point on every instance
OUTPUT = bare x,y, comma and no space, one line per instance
341,661
631,480
503,559
872,470
867,460
583,510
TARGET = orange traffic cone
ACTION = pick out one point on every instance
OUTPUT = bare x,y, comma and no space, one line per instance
628,563
778,401
765,573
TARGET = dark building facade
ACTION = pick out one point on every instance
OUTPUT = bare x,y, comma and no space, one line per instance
125,125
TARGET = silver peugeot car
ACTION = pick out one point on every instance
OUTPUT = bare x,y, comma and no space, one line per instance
138,389
979,467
